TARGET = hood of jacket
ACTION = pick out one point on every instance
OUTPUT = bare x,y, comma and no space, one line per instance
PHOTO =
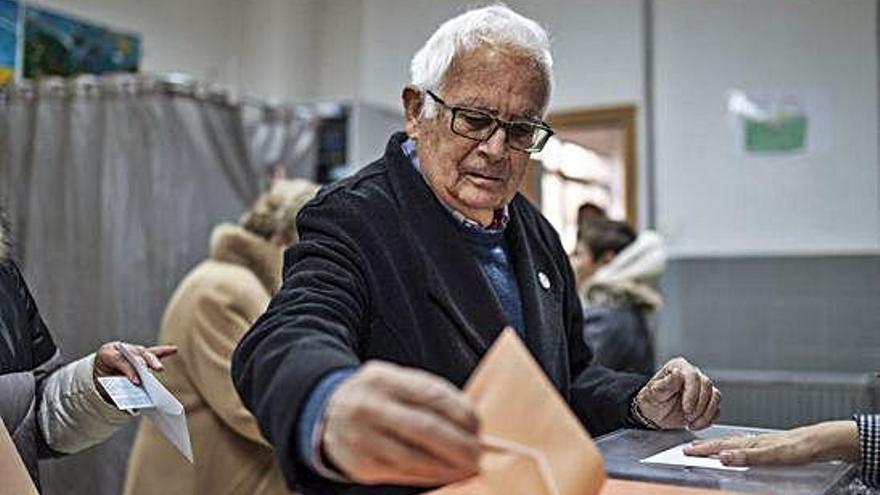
632,276
233,244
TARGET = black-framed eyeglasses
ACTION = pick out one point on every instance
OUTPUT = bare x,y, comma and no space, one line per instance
478,125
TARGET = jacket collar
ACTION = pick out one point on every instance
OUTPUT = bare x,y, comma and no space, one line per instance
451,268
233,244
542,289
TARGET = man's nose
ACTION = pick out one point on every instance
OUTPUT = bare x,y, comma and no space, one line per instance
495,146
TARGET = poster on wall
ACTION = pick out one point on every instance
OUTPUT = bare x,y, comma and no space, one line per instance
778,123
8,40
57,44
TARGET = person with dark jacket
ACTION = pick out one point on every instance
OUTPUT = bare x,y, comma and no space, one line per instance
406,272
617,272
51,408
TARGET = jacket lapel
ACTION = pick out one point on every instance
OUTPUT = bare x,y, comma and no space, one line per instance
541,291
455,281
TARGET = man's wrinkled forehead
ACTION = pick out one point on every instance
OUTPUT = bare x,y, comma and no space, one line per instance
530,112
486,67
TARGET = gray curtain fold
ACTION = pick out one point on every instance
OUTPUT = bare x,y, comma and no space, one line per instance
284,137
113,186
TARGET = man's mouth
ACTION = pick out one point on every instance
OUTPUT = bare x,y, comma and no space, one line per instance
485,177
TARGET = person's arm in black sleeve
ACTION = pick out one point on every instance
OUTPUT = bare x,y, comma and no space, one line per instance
311,328
600,397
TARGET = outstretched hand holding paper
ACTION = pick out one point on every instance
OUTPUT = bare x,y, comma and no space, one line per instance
153,400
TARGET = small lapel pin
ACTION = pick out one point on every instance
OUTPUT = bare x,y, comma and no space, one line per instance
544,280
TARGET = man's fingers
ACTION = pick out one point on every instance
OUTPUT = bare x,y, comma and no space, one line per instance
662,389
432,433
690,394
393,424
711,411
705,396
422,389
400,463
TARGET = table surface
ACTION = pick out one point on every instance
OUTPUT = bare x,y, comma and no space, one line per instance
623,449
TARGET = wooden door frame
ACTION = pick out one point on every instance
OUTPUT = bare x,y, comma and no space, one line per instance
618,116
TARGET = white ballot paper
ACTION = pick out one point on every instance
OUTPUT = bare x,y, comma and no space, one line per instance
153,400
126,395
676,457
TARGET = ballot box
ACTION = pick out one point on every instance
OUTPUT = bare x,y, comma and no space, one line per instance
624,450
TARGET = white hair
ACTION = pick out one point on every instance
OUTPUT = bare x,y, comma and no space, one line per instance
495,25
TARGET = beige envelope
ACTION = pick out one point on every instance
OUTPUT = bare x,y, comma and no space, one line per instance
14,478
476,486
534,444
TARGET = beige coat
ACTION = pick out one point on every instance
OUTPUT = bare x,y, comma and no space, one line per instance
210,311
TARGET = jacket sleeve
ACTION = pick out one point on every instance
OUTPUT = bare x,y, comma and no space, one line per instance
312,327
869,447
222,316
72,414
28,326
600,397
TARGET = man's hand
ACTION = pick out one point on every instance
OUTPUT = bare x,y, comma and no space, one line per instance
110,361
389,424
679,395
815,443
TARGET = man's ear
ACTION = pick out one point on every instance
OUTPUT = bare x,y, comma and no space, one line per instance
413,99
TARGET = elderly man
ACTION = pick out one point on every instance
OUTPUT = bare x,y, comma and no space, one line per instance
406,272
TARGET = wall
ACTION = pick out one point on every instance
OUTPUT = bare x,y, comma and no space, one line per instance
278,49
265,48
712,200
774,259
338,64
198,37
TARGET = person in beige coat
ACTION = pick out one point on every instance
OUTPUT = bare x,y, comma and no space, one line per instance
209,312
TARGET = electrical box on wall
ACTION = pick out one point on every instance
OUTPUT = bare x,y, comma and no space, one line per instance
353,136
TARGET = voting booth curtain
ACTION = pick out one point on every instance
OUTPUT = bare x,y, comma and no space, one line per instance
112,186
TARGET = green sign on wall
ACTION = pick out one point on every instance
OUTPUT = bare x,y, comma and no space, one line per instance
787,133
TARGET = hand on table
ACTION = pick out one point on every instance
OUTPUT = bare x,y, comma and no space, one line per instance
814,443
